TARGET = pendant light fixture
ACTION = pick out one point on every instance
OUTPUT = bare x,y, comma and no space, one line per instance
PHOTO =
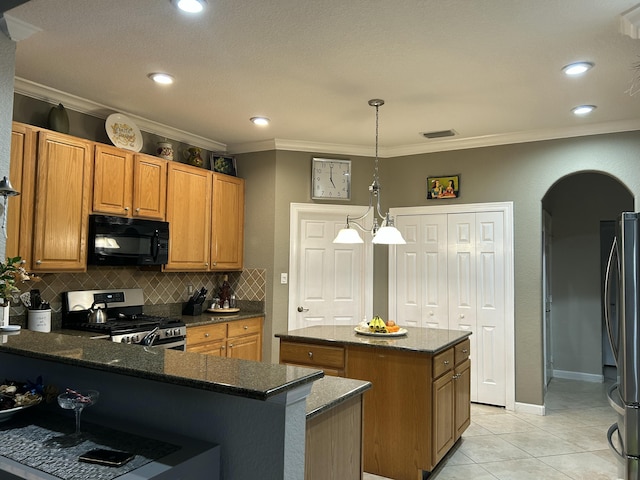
385,233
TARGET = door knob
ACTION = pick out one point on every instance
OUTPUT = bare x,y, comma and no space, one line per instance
302,309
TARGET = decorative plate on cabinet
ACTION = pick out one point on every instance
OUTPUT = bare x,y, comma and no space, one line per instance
123,133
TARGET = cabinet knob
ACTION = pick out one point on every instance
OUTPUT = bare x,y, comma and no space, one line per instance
23,261
246,327
38,262
456,376
126,209
310,354
446,362
431,314
206,264
462,315
231,345
465,350
206,335
138,210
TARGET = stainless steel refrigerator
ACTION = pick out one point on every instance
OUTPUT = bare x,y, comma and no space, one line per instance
622,289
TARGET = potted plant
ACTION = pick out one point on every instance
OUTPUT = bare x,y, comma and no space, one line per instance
11,273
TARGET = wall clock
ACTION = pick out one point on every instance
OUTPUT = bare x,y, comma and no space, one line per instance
330,179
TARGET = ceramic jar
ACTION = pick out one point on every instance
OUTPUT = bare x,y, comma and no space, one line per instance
165,150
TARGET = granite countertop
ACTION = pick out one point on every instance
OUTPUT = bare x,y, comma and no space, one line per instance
329,392
427,340
231,376
208,318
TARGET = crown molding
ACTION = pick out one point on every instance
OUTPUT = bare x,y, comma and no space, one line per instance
18,29
630,22
88,107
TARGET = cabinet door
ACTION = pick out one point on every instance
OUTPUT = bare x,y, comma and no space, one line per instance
189,216
149,187
227,235
62,202
443,433
463,397
20,207
217,348
248,347
112,181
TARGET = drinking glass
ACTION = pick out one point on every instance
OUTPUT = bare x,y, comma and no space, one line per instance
76,401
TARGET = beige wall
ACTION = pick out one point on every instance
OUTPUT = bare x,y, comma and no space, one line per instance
7,60
521,173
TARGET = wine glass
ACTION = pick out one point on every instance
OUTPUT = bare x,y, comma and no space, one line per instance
76,401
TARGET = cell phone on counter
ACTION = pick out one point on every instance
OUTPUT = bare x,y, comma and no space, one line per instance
111,458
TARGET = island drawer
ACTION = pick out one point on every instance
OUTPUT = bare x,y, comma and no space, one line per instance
245,327
311,354
443,362
462,351
206,333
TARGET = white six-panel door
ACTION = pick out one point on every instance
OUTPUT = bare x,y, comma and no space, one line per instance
453,273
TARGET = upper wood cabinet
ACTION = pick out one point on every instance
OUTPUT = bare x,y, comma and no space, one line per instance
129,185
21,174
227,234
189,217
62,203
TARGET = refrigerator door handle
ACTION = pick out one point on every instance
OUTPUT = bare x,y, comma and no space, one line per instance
614,428
613,254
617,406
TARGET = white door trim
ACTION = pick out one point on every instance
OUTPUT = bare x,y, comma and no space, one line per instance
341,212
507,209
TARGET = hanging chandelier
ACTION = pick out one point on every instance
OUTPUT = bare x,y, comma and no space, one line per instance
385,233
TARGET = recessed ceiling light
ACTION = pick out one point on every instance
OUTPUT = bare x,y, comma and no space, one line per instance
262,121
577,68
190,6
162,78
583,109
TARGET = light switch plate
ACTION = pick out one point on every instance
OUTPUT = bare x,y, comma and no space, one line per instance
284,278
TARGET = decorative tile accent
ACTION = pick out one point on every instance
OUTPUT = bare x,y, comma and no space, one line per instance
158,287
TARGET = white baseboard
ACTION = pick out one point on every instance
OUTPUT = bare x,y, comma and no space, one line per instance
530,408
583,377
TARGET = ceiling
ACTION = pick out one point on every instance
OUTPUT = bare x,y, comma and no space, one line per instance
489,69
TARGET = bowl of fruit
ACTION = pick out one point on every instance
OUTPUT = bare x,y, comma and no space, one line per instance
379,328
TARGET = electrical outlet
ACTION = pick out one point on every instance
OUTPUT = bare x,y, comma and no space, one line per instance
190,290
284,278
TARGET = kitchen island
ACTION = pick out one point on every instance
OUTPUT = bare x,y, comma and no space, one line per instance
256,412
419,404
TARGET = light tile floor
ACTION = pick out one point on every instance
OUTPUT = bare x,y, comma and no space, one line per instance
569,442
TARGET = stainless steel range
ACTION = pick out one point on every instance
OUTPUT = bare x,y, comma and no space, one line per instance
117,315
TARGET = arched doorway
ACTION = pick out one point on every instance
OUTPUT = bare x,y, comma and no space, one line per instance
577,205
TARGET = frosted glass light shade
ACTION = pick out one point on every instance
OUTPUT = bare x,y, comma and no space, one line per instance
388,236
348,235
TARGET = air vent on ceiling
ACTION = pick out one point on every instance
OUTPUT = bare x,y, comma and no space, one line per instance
440,134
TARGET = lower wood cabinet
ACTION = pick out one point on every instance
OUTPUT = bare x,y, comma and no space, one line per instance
322,357
236,339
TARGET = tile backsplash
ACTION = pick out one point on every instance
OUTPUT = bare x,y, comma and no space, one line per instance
159,287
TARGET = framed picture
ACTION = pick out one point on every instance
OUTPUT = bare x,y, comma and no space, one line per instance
447,186
223,164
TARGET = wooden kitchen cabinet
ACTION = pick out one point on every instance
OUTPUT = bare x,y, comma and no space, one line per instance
64,166
189,217
227,223
330,359
129,185
236,339
20,207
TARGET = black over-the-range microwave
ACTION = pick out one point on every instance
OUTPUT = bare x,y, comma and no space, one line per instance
127,241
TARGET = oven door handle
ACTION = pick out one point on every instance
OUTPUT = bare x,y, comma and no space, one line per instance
155,245
177,345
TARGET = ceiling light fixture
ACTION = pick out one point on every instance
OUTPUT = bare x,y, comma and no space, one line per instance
161,78
577,68
261,121
386,233
190,6
583,109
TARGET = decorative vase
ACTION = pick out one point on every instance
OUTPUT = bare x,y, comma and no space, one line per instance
59,119
165,150
193,156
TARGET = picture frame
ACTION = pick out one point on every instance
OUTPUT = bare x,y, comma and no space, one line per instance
443,187
223,164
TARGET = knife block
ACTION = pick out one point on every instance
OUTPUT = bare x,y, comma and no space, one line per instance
192,309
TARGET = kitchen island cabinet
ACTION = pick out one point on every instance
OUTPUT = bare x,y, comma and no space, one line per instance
410,413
